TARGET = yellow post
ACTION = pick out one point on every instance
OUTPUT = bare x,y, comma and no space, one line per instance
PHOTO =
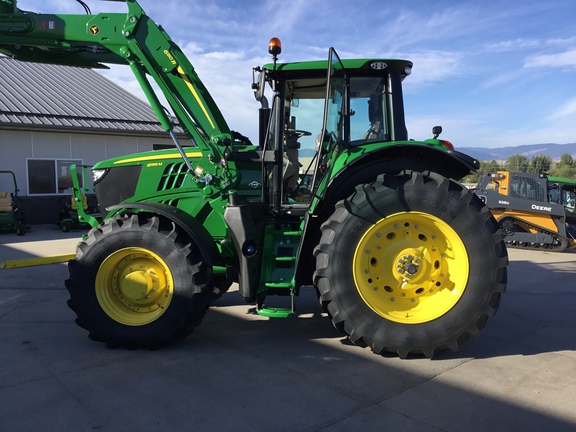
30,262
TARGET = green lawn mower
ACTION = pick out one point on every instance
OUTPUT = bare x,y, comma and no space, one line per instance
11,217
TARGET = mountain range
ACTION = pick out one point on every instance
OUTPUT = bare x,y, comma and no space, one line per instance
555,151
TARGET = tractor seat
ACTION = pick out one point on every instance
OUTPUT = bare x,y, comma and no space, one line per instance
5,202
74,204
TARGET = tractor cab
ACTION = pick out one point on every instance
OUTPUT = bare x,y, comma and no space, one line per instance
317,111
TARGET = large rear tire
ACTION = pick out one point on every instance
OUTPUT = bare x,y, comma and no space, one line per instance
136,282
410,264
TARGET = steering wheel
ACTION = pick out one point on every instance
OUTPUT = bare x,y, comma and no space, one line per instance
297,133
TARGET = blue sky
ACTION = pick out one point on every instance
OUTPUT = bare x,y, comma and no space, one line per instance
492,73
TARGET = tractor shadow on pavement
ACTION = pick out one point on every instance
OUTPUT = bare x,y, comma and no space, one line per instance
537,315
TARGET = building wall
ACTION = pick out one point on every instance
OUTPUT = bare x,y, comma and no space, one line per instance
17,147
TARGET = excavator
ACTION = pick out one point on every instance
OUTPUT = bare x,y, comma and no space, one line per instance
403,258
534,211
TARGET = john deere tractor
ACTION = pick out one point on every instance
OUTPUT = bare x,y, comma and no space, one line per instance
404,259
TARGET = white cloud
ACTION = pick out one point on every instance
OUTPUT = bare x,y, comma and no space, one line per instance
567,109
69,7
566,58
228,77
433,66
570,41
513,45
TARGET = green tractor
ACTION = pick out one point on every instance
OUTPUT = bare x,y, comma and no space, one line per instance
11,217
404,259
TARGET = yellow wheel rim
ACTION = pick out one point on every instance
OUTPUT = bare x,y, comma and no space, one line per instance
134,286
411,267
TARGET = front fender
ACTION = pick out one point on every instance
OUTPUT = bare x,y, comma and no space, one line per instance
190,225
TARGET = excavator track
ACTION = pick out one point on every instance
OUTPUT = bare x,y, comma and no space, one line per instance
558,243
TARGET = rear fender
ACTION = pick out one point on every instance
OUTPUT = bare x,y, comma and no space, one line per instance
415,157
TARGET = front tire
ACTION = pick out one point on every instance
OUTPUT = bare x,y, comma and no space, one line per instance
136,282
410,264
221,287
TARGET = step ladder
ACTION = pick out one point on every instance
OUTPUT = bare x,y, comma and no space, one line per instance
279,269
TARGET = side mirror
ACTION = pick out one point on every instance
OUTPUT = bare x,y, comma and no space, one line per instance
260,86
436,131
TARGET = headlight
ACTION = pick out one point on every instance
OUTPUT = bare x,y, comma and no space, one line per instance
98,174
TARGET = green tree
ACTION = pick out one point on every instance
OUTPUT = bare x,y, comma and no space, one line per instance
518,163
540,163
566,160
485,167
566,167
564,172
489,167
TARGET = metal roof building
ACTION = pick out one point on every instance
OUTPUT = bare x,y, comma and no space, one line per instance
54,116
53,97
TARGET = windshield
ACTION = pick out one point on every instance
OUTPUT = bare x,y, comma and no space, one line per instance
526,187
367,108
568,199
364,117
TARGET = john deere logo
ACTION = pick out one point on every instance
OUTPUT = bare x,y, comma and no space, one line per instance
94,29
378,65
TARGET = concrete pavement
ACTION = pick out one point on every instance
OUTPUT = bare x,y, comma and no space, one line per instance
242,372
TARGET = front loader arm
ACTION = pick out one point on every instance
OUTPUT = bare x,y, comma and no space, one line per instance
132,39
